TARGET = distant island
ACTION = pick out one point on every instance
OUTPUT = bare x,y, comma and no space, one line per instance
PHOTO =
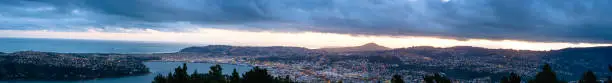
32,65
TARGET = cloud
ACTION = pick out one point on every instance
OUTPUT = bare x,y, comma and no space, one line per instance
302,39
528,20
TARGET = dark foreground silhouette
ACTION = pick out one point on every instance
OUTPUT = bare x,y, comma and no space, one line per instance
255,75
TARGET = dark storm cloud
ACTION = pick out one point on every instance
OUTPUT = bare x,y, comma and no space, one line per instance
531,20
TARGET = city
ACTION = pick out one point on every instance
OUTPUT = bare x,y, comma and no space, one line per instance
464,64
305,41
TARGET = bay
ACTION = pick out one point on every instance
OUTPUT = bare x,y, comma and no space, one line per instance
9,45
156,68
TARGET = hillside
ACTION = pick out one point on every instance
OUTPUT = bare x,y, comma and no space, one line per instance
31,65
222,50
577,60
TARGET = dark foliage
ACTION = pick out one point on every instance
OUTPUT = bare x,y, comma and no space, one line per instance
436,78
588,77
235,77
514,78
257,75
546,76
160,79
397,79
215,75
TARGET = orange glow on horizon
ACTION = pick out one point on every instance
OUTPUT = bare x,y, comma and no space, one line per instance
302,39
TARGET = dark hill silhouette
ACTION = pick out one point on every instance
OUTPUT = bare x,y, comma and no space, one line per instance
578,60
248,51
365,47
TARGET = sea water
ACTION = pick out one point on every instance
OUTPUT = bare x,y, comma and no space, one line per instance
8,45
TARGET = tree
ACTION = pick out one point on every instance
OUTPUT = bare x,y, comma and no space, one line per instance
215,74
257,75
169,78
588,77
159,79
545,76
180,74
235,77
197,77
397,79
340,81
514,78
436,78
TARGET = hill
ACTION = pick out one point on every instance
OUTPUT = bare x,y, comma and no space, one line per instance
31,65
574,61
365,47
225,50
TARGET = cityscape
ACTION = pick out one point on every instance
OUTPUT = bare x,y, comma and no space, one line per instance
305,41
462,64
483,65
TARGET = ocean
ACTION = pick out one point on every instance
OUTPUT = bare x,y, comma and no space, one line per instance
9,45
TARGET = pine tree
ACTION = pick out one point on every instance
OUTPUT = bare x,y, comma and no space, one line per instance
235,77
257,75
397,79
197,77
588,77
546,76
180,74
169,78
216,74
159,79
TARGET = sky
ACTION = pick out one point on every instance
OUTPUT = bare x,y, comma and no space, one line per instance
508,24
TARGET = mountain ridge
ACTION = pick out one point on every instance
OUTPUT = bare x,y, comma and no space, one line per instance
365,47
